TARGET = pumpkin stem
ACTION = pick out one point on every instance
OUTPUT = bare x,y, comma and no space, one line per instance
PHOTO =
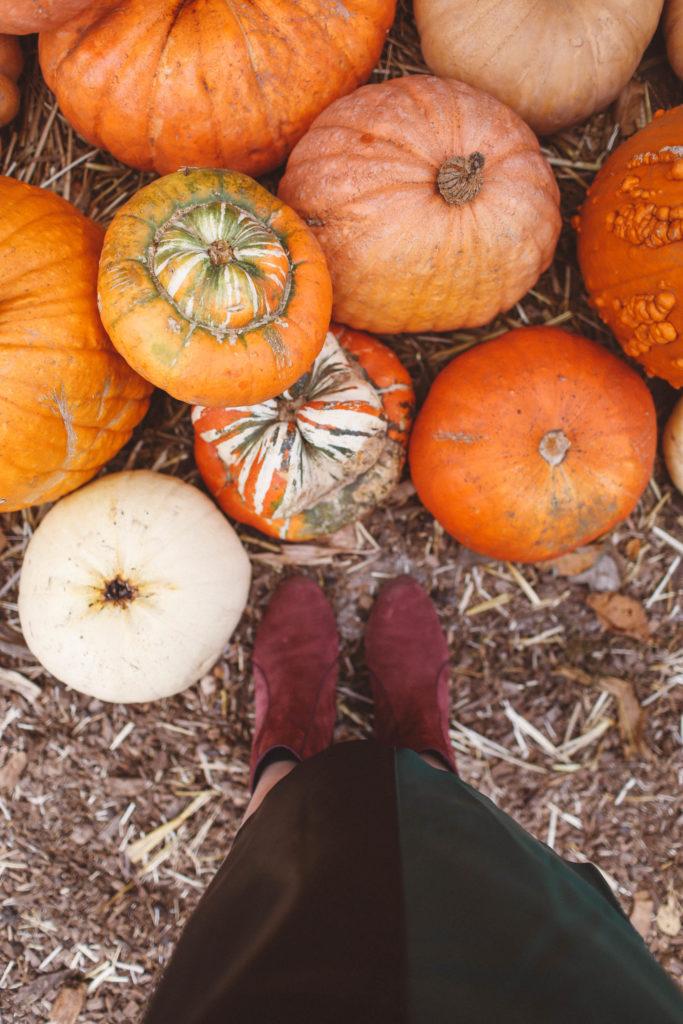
554,446
220,252
460,178
119,591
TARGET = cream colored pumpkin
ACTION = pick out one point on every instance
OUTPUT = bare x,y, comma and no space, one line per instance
132,586
672,445
553,61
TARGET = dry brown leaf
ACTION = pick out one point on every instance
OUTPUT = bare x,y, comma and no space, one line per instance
11,771
641,913
632,716
3,541
621,613
575,562
67,1007
669,917
632,109
633,547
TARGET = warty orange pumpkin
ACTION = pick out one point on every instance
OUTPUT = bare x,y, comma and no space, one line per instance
11,65
533,444
554,63
431,200
319,456
68,400
207,82
20,17
213,289
631,242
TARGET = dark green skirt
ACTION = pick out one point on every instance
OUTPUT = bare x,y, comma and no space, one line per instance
372,888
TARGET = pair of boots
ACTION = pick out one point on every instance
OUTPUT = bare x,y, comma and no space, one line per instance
296,664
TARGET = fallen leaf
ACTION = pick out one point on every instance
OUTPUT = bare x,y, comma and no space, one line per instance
575,562
604,576
633,547
641,913
669,917
11,771
631,109
621,613
632,716
3,541
67,1007
12,680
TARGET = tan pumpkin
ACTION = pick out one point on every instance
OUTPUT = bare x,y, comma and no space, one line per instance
205,82
322,454
431,200
23,16
213,289
673,30
672,445
533,444
630,243
11,66
68,401
553,62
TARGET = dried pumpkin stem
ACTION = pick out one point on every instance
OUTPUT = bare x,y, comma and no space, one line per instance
460,178
221,253
554,446
119,591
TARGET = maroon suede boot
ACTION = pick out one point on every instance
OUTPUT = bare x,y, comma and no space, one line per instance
407,654
295,668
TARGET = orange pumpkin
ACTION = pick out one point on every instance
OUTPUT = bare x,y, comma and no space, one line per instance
212,289
318,456
673,30
23,16
11,66
431,200
533,444
207,82
630,243
68,401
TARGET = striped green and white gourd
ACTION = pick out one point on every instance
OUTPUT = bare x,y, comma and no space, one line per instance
286,454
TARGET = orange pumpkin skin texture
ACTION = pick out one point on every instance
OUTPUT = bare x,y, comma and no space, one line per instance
11,65
343,503
20,17
68,401
431,200
533,444
213,289
630,245
206,82
673,30
555,63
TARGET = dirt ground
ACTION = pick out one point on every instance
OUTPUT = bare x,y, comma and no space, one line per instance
572,726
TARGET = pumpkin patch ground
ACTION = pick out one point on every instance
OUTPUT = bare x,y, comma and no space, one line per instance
567,676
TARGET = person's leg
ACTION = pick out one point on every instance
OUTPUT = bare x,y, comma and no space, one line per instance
407,654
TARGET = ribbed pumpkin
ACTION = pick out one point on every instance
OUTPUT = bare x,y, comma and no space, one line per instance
68,401
23,16
206,82
631,241
555,63
431,200
320,455
533,444
673,29
11,65
213,289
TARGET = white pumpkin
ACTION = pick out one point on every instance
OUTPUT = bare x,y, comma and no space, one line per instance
132,586
672,445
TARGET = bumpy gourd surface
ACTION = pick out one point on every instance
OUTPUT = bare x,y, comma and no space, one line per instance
631,245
